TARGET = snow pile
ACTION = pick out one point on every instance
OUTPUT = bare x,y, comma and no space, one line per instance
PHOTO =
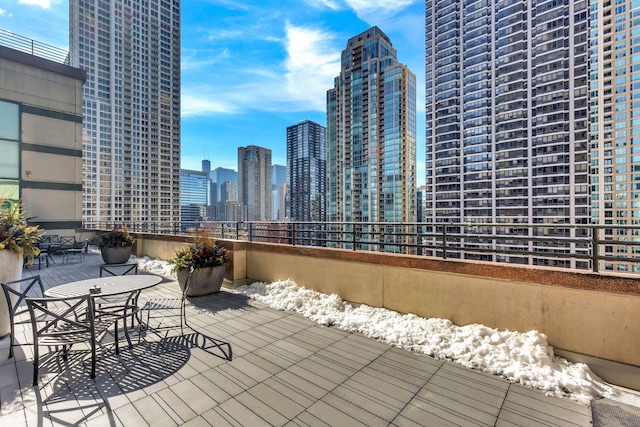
157,266
524,358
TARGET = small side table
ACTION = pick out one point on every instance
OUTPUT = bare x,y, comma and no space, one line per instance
119,269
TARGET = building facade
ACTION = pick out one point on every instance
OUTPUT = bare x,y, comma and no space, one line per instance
224,183
371,135
506,121
41,134
254,182
193,196
614,94
131,108
279,191
306,170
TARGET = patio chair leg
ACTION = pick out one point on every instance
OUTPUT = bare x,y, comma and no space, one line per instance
35,364
115,336
93,357
11,340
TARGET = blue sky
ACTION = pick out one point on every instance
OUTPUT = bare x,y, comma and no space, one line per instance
252,68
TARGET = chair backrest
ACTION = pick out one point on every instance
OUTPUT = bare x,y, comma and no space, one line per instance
67,241
54,248
17,291
80,245
65,318
50,238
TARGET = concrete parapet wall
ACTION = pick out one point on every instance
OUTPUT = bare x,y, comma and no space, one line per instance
583,314
593,317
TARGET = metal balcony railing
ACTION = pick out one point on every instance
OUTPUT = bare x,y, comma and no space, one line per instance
33,47
594,248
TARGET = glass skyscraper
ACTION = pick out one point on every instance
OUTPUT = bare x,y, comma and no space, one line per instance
193,196
279,191
221,188
306,169
131,108
371,135
506,120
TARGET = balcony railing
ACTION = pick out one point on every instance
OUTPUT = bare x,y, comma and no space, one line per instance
33,47
583,247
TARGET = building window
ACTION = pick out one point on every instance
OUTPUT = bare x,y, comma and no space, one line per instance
10,149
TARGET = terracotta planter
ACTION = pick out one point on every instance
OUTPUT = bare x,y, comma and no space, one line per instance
204,281
116,255
10,269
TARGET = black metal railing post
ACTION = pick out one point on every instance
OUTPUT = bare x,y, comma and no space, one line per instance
293,233
353,234
444,242
595,243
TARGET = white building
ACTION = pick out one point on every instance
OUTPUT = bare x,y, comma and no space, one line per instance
131,108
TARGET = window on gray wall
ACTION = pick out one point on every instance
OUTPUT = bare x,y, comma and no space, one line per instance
10,149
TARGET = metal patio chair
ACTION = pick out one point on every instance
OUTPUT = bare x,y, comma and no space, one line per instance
16,292
166,305
73,321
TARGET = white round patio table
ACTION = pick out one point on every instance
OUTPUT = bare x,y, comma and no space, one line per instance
106,291
108,286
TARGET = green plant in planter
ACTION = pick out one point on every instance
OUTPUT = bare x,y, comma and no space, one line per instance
15,234
119,238
202,252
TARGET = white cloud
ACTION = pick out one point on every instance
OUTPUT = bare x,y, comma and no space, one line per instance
226,34
190,58
2,11
311,65
201,101
368,6
45,4
382,12
330,4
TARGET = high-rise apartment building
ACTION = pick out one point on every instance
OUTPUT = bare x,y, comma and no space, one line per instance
306,169
371,135
279,191
506,120
614,94
254,181
131,108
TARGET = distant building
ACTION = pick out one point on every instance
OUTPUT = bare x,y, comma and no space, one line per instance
371,135
206,168
228,191
507,118
614,132
254,182
306,169
219,178
229,211
279,191
371,142
131,108
193,195
41,134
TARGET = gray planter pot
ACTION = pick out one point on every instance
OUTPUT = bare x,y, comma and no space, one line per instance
204,281
116,255
10,270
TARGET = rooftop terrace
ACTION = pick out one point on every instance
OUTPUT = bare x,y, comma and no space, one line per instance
246,364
